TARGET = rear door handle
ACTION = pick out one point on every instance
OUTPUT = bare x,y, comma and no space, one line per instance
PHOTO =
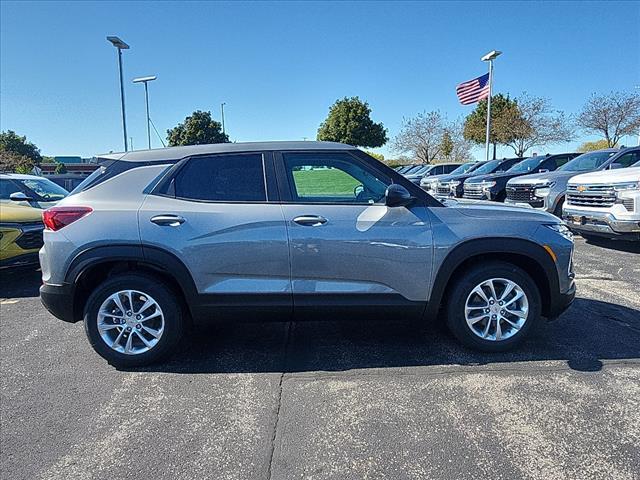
168,220
310,220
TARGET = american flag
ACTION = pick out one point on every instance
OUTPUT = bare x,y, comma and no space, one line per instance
474,90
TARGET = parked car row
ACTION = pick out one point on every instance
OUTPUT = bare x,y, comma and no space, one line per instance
602,203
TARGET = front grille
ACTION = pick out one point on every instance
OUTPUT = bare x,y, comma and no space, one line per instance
591,195
443,189
521,193
31,236
473,191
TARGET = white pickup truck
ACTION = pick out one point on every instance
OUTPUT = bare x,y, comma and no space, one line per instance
605,204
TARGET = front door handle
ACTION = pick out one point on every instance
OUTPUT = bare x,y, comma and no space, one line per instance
168,220
310,220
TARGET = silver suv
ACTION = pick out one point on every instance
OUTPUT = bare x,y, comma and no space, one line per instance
157,239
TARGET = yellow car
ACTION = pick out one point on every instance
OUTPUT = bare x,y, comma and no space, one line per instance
20,235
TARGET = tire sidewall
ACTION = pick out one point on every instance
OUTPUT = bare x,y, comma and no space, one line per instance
173,325
457,301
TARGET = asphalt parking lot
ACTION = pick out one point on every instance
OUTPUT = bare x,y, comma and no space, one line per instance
332,399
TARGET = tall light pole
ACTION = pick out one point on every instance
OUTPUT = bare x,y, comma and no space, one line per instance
222,109
120,45
146,80
489,57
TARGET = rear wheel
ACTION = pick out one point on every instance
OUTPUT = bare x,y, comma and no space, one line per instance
493,307
133,320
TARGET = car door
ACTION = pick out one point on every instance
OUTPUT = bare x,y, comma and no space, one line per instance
349,251
217,214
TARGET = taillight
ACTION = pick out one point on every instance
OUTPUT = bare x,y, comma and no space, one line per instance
56,218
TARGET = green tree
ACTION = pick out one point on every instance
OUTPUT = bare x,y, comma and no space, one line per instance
592,146
475,124
197,129
10,141
15,162
349,121
60,168
377,156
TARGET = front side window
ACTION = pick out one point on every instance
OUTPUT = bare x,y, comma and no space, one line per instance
628,159
222,178
7,187
332,178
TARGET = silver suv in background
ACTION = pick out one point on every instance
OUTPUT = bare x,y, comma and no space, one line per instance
157,239
547,191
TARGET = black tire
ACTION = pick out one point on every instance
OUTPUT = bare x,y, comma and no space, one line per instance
461,289
165,298
558,210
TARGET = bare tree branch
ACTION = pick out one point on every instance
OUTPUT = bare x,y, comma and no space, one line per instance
611,116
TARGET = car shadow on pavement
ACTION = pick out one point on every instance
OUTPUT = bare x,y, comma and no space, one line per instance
587,335
618,245
20,283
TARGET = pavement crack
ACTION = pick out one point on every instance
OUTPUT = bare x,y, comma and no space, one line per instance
285,362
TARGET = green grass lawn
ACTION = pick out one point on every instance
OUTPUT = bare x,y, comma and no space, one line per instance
316,183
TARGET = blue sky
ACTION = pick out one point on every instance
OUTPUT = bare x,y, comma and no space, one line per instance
279,66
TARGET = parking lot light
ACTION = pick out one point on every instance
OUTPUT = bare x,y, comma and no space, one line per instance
121,45
146,80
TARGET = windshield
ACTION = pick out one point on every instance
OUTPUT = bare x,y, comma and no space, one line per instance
413,169
526,165
465,167
487,167
421,170
45,189
587,161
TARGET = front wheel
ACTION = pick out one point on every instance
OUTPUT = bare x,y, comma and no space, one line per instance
133,320
493,307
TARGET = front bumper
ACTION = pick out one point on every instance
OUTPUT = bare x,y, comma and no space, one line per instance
600,223
562,302
58,300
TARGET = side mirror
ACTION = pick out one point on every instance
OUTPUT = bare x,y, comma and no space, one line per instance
20,197
544,170
397,196
614,166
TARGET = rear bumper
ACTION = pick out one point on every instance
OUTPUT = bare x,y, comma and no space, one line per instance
58,300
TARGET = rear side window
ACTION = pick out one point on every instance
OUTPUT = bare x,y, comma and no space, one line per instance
222,178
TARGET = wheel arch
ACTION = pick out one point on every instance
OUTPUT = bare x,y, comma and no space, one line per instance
529,256
94,265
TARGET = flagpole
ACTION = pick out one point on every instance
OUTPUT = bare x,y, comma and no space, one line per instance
489,110
489,57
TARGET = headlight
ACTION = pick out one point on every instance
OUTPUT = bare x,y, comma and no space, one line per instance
543,189
487,185
562,229
626,186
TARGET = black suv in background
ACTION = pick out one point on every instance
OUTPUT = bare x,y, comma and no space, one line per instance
493,186
452,185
